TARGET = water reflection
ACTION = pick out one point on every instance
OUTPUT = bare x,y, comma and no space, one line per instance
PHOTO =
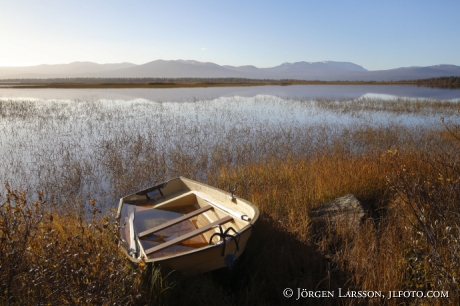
83,146
193,94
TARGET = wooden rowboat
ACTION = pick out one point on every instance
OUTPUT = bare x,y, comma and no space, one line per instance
186,226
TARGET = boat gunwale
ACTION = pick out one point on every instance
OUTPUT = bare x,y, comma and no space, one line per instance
243,230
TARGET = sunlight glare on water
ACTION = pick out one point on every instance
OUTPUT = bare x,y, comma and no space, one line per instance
86,145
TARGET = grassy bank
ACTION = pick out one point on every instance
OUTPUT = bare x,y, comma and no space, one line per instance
441,82
180,82
60,247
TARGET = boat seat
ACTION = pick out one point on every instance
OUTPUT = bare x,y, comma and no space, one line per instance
175,221
189,235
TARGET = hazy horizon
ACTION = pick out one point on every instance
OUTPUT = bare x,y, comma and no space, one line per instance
223,65
377,36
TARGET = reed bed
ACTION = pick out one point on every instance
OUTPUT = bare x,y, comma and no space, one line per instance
59,245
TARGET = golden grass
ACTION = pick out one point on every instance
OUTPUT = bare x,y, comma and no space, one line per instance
57,248
286,189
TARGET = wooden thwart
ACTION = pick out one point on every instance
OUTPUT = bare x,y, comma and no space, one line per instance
188,235
175,221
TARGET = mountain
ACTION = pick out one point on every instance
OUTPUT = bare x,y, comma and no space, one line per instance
172,69
313,70
410,73
327,71
317,66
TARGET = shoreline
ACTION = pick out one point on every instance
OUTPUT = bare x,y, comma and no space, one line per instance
184,84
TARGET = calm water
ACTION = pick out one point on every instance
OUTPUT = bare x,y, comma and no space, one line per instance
78,142
190,94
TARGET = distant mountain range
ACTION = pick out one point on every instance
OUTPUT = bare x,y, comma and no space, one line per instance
325,71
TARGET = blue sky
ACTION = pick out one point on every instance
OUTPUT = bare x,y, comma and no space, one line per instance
374,34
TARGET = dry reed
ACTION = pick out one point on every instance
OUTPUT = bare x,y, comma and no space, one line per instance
57,248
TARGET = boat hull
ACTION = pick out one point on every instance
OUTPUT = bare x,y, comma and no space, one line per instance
222,221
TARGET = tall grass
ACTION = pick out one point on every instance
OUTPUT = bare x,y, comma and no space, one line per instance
59,246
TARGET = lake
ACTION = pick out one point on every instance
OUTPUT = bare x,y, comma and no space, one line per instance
187,94
105,143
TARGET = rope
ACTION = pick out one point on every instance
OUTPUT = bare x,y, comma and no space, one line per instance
223,235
